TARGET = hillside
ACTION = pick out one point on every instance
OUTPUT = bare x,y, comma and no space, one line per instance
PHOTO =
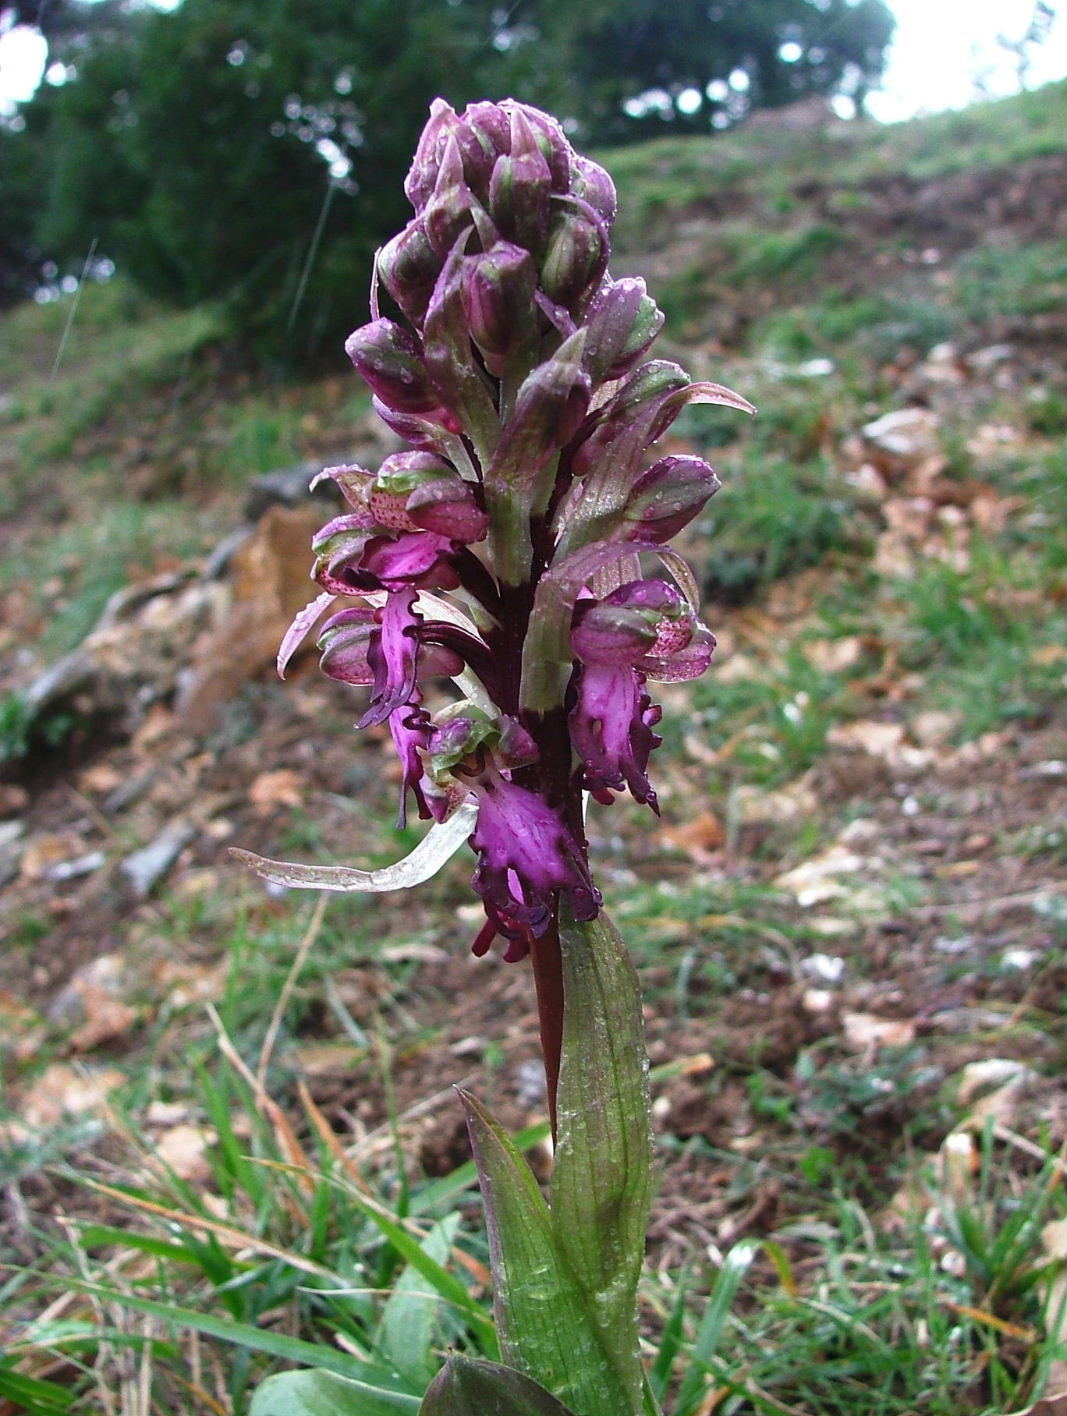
853,907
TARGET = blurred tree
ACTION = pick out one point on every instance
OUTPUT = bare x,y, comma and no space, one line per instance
253,150
20,255
640,70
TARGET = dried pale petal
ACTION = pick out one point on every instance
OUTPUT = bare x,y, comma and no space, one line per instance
438,846
683,664
303,623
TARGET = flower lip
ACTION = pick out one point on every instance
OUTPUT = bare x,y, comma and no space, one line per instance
525,855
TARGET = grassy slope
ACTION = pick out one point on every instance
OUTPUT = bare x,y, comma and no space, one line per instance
769,250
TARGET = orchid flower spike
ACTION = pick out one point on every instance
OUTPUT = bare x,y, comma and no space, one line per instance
503,551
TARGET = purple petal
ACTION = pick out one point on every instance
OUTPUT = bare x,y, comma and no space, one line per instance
392,655
611,730
526,853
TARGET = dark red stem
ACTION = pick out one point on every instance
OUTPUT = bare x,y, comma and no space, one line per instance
547,961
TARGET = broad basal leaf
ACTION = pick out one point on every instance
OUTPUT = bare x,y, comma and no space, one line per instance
465,1388
602,1179
543,1313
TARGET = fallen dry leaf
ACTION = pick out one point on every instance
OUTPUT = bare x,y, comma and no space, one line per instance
754,805
866,1032
64,1091
183,1149
283,787
991,1090
107,1018
834,655
46,851
100,778
701,834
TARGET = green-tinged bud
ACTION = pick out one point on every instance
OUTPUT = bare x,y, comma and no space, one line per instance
422,178
483,134
555,148
452,363
637,415
448,213
418,491
460,731
447,506
622,322
549,409
408,267
498,297
391,363
575,258
593,185
338,546
520,186
613,634
668,496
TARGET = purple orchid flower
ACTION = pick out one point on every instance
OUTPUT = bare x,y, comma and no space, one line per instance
503,550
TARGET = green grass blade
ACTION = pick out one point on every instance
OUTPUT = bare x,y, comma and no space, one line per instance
406,1331
709,1334
378,1383
32,1394
446,1284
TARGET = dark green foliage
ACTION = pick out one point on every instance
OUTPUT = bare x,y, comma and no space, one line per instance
254,153
786,50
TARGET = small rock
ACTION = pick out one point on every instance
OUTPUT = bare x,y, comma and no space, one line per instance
72,869
11,833
285,486
902,438
145,867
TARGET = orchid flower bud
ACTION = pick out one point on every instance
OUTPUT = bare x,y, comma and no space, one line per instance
422,178
635,416
519,187
418,491
668,496
449,212
575,257
612,634
550,138
592,184
622,321
390,360
498,298
408,267
483,135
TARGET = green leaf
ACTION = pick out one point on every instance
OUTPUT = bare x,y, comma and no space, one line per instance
376,1383
317,1393
602,1178
406,1333
445,1283
546,1328
466,1388
709,1334
33,1394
